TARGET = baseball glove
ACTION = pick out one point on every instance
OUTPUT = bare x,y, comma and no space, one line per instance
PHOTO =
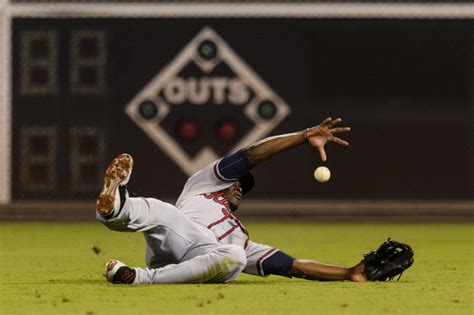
389,260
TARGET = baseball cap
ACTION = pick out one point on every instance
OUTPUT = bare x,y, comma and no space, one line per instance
247,181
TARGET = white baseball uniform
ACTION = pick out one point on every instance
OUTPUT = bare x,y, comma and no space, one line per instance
203,204
178,250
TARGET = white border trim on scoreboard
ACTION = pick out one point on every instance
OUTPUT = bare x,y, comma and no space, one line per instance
5,103
262,10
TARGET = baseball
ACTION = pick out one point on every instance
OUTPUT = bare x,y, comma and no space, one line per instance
322,174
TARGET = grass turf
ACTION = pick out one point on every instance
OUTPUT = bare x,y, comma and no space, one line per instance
50,268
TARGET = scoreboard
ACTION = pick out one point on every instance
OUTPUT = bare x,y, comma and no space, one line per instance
178,93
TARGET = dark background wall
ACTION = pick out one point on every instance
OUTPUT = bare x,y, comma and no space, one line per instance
404,86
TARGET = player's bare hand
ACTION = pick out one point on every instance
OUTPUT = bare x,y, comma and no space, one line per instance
325,132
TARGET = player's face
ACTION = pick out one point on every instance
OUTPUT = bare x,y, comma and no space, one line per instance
235,195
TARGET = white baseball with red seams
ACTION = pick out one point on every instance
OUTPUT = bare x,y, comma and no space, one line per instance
322,174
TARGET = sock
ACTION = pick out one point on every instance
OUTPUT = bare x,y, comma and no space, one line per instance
125,275
120,198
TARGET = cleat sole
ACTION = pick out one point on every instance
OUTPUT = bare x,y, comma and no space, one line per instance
117,173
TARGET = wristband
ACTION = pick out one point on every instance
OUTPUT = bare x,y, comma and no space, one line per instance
305,134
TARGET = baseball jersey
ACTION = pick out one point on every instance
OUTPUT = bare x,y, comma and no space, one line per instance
201,201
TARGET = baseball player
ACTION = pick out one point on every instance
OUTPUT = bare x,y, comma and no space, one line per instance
200,239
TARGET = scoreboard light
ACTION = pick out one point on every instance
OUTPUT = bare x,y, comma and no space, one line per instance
188,130
148,110
267,109
227,130
39,75
88,75
89,47
39,49
207,50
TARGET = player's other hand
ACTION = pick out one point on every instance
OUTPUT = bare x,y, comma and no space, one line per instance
318,136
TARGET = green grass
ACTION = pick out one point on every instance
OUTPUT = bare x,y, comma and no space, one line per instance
50,268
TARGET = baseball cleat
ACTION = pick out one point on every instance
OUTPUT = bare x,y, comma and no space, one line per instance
117,174
119,273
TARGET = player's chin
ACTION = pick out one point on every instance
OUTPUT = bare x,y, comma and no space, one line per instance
234,204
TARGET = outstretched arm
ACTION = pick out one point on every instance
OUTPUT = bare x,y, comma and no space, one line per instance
317,136
240,163
315,270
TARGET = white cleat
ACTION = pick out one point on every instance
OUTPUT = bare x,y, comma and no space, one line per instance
117,174
118,272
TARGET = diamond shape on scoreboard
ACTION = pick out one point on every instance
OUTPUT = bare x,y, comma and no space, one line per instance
207,50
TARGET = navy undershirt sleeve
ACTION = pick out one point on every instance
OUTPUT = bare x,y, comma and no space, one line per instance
234,166
280,264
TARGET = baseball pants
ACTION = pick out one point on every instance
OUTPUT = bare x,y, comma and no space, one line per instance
178,250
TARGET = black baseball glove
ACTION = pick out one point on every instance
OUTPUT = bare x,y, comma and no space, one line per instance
389,260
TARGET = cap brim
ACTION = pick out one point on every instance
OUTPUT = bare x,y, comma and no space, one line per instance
247,181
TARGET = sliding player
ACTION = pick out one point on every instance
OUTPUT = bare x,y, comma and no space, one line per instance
201,240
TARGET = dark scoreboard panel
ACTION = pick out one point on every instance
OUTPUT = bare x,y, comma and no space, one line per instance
177,93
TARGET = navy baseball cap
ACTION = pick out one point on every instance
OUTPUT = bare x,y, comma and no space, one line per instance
247,181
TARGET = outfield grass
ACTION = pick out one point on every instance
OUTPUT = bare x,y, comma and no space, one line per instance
50,268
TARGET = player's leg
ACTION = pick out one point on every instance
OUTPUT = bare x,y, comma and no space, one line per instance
263,260
222,264
178,251
187,252
115,209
